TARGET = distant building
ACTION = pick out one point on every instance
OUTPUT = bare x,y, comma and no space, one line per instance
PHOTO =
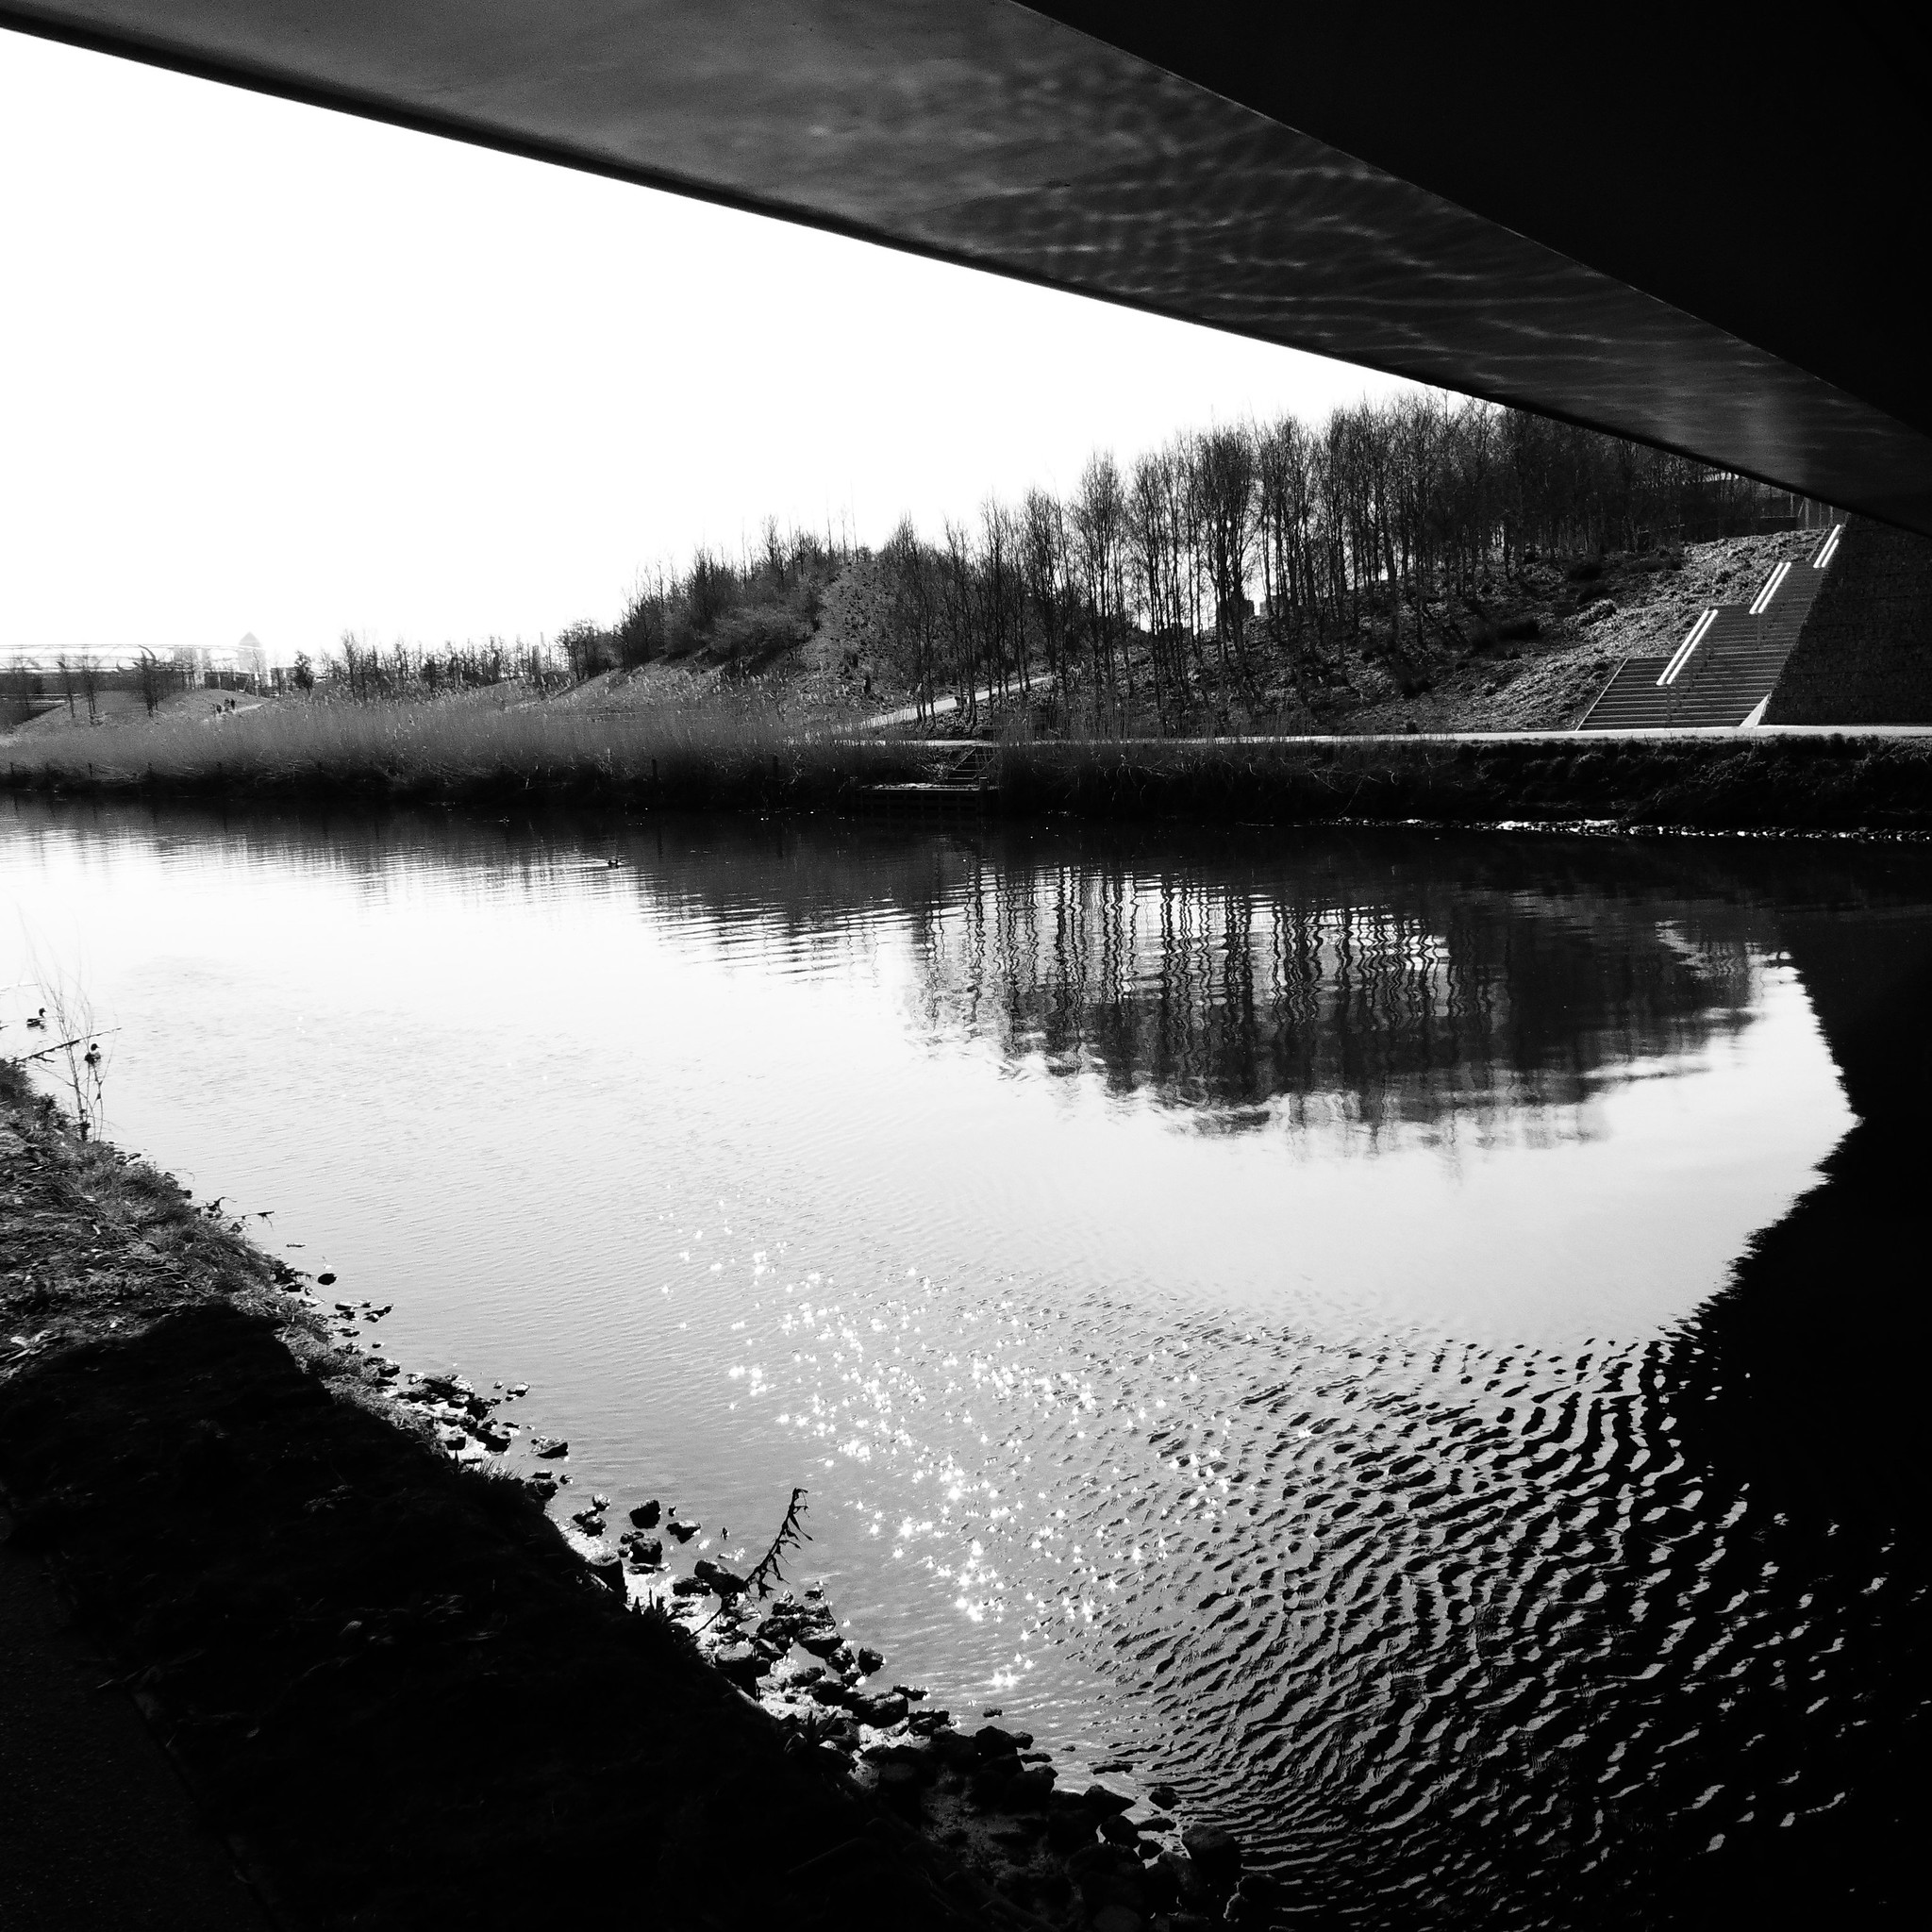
103,657
24,667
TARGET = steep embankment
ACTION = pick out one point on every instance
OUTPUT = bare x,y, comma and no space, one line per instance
849,655
842,667
1532,651
1636,605
1527,651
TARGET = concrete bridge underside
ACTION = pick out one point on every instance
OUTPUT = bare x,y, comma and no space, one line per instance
1698,232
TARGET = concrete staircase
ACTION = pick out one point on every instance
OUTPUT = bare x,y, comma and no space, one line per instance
1721,676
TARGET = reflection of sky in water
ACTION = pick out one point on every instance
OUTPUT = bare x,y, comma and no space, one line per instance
1219,1315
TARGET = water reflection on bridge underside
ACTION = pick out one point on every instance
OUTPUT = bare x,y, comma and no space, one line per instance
1241,1302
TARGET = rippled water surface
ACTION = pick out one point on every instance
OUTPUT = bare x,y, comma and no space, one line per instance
1258,1307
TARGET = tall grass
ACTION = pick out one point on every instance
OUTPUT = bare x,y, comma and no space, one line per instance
713,753
737,751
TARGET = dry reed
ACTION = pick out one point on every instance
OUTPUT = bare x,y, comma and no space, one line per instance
718,752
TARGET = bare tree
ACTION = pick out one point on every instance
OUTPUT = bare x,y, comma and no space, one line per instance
1228,505
912,578
151,676
1044,571
1100,530
958,613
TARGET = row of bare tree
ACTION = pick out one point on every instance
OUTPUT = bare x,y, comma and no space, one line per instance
359,668
1234,550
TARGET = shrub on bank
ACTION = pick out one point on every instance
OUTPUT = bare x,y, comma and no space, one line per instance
749,639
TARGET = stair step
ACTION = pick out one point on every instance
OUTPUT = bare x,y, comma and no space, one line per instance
1736,664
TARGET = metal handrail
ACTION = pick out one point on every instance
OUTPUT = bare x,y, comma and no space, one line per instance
1773,585
1675,669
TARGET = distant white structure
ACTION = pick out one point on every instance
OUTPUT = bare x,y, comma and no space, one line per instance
201,660
195,661
46,658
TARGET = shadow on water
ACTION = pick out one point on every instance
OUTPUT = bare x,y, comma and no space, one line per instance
1458,1630
1802,1389
1733,1731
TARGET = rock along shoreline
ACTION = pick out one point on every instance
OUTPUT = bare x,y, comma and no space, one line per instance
400,1690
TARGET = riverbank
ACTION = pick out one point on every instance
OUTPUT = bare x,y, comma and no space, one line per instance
396,1689
1731,784
476,747
744,756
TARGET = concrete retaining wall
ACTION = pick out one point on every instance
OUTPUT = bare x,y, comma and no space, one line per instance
1865,654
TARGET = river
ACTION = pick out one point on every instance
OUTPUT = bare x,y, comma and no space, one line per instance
1260,1307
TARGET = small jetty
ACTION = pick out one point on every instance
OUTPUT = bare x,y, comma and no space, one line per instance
960,778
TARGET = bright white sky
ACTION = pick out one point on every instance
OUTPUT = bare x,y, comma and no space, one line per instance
269,369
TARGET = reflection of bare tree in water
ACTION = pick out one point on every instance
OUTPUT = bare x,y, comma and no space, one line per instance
1383,999
1391,980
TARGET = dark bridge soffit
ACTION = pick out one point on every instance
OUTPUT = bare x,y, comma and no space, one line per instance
988,134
